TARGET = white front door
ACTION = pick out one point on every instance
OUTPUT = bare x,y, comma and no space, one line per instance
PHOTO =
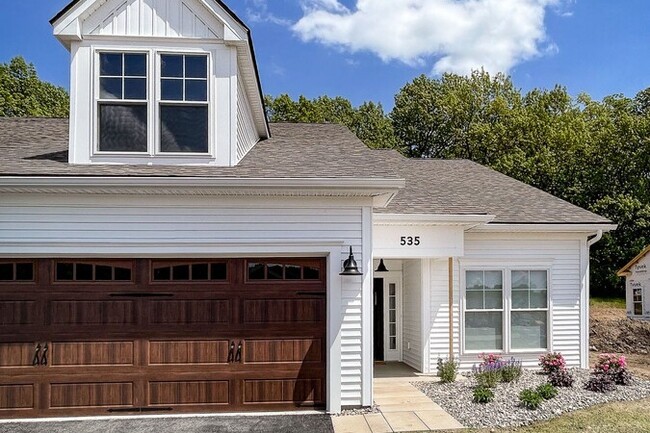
392,315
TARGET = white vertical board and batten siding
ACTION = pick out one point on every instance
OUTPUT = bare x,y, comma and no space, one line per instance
154,18
247,135
412,313
72,225
563,254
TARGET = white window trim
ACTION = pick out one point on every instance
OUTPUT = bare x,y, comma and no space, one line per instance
640,289
158,101
507,305
153,100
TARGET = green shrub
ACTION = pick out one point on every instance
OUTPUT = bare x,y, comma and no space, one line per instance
483,394
547,391
447,370
530,399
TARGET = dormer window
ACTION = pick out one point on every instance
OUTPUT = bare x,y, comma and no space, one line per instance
122,102
167,115
184,103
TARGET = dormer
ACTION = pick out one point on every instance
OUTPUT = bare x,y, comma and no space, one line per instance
170,82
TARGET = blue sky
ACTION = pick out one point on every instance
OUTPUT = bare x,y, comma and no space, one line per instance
355,49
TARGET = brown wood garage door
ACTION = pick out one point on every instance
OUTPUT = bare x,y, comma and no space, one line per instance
82,337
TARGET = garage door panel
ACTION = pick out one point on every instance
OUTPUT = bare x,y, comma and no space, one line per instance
93,353
280,311
283,350
17,312
17,396
81,395
92,312
205,392
189,312
296,391
14,355
204,352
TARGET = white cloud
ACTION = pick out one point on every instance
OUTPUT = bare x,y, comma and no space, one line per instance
258,12
459,35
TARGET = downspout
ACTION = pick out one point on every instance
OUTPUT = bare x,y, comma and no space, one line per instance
451,308
590,242
598,236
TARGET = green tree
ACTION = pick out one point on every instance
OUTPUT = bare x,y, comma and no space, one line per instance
23,94
368,121
456,116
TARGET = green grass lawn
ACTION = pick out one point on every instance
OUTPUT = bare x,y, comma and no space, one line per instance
625,417
607,302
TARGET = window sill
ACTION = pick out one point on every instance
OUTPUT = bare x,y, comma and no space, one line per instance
153,160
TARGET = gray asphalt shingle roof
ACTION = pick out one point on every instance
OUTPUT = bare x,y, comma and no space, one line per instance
38,147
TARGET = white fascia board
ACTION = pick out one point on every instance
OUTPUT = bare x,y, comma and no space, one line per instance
233,30
532,228
431,219
381,190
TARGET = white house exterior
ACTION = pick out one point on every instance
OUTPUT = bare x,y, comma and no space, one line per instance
167,250
637,285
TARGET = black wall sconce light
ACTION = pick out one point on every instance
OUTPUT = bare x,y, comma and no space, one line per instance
382,267
350,266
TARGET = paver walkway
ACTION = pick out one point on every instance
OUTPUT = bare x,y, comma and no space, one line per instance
402,407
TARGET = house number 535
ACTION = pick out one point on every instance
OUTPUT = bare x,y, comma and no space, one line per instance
409,241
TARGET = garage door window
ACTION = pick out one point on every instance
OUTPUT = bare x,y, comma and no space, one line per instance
203,271
259,271
89,271
16,272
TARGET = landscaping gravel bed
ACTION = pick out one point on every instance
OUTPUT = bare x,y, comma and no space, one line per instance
504,411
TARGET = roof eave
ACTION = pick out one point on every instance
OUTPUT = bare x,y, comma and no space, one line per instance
544,227
625,270
381,191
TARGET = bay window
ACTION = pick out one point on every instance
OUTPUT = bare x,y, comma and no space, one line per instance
167,114
506,310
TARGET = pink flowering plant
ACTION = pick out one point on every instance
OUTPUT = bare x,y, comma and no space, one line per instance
552,362
613,367
610,363
490,359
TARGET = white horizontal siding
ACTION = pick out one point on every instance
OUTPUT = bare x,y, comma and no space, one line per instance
157,18
439,318
412,314
561,252
180,225
246,131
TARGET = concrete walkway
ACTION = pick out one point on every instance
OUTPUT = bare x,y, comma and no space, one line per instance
402,408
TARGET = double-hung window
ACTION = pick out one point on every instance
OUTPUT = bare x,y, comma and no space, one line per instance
506,310
484,310
122,106
184,103
637,300
529,310
152,103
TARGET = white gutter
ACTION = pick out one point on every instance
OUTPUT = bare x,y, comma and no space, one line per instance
598,236
229,182
531,228
380,190
430,219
